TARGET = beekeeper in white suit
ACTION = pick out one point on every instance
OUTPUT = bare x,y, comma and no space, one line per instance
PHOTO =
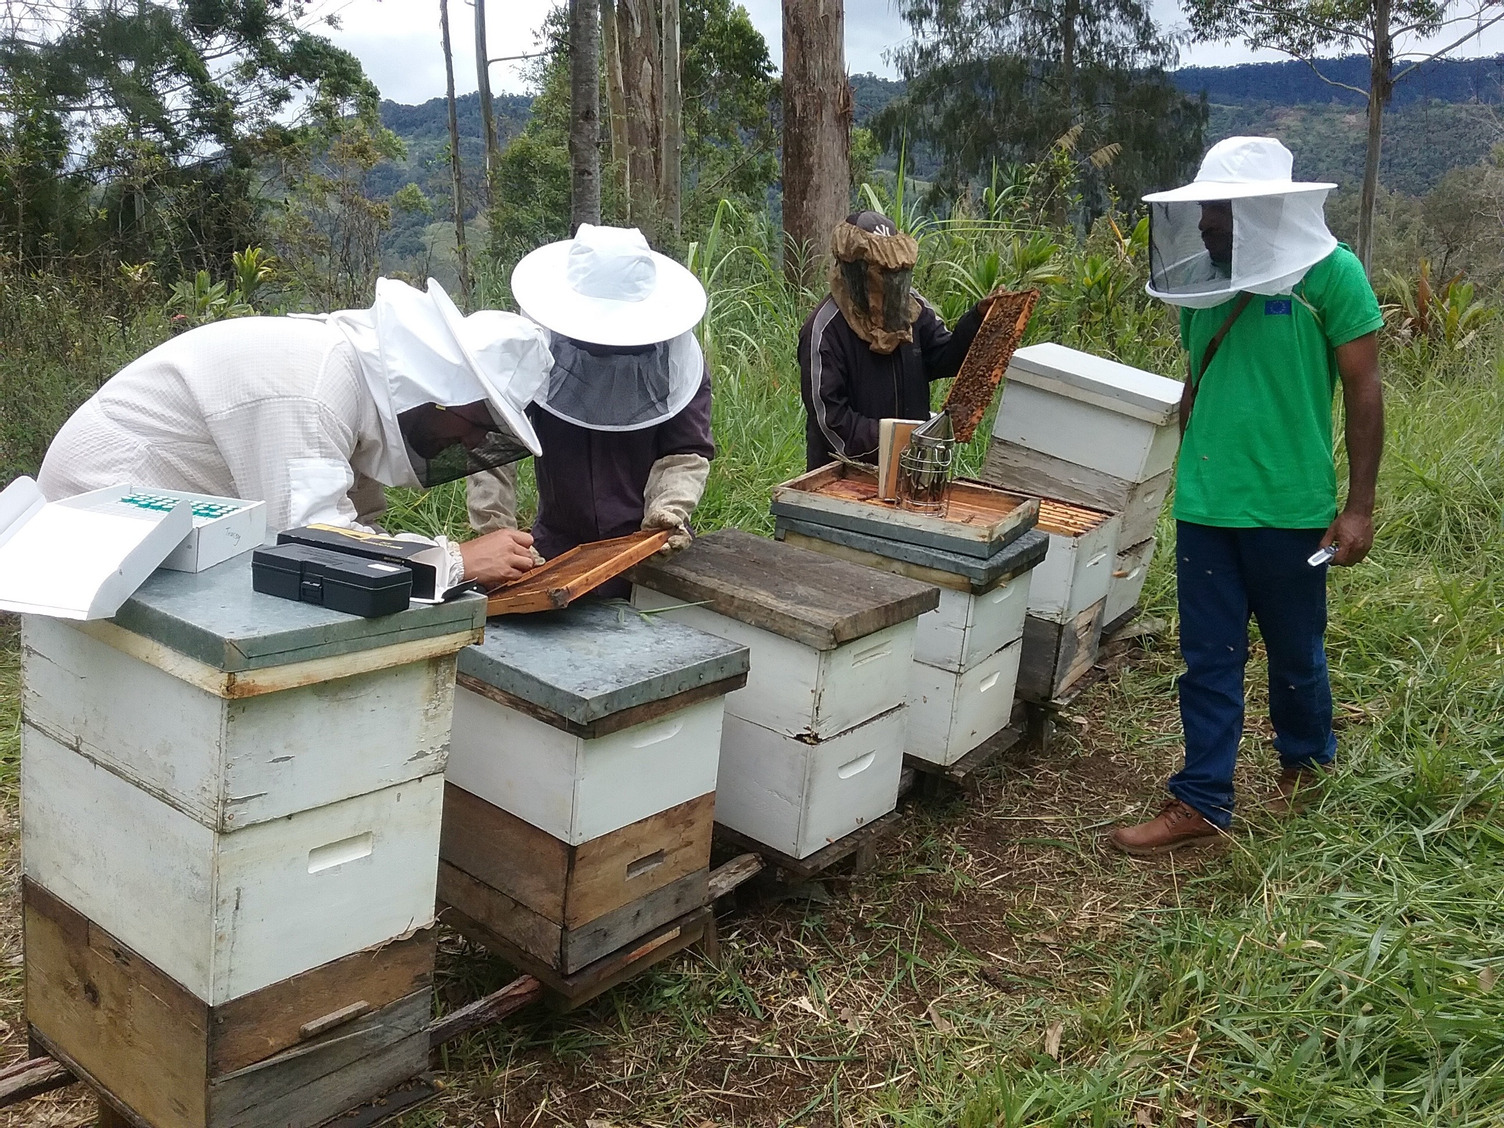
294,411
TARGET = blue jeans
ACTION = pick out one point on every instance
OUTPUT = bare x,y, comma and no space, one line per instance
1224,578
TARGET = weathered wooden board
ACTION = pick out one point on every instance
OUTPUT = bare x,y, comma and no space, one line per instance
581,668
987,359
227,914
860,846
558,583
799,691
235,762
574,788
1077,569
214,618
811,599
799,796
1138,504
1057,655
161,1053
979,519
950,713
1129,572
573,885
567,950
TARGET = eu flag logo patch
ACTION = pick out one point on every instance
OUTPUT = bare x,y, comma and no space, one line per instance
1279,307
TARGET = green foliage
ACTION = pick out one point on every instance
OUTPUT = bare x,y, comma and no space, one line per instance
172,101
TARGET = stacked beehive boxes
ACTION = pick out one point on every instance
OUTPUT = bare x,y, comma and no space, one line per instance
582,785
230,829
813,744
1091,433
967,650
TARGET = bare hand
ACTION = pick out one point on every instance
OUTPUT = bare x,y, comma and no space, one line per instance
498,557
1352,532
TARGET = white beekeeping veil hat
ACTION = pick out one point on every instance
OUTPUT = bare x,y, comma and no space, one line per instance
621,318
421,358
1277,228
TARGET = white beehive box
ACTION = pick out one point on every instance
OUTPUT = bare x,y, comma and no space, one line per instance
239,787
952,713
799,796
812,746
585,720
1014,467
226,914
798,690
1128,576
1090,411
1077,569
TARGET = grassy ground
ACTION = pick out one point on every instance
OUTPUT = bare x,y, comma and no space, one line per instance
1000,967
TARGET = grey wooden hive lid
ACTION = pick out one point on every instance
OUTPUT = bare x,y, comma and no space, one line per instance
1013,559
1098,380
806,596
594,659
215,617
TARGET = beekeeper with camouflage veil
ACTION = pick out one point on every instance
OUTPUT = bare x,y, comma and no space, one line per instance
871,348
312,414
1274,313
624,412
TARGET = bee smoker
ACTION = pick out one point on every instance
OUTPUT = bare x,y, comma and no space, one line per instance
924,466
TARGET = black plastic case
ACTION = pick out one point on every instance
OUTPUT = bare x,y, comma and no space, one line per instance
373,546
335,580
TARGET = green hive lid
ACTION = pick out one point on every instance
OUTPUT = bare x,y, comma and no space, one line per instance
215,617
594,659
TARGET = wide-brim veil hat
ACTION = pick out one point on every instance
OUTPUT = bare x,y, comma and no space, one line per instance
1237,168
606,286
1278,232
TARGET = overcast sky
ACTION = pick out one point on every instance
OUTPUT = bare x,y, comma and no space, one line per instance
398,40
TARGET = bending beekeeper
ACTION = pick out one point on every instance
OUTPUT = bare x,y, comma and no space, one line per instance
1274,312
624,413
305,413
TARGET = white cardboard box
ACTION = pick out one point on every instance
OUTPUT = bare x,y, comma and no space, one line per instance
82,557
222,527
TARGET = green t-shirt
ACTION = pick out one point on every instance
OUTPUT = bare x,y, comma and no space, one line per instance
1258,451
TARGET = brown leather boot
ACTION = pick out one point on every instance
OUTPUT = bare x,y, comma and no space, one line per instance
1177,825
1296,788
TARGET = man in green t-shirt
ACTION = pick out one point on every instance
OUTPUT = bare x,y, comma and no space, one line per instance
1274,312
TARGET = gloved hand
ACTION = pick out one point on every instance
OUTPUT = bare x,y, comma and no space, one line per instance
674,486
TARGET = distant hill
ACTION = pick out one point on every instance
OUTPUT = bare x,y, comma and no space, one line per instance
1294,83
1448,113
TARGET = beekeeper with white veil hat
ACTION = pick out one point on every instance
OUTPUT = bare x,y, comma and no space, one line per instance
295,411
1274,315
624,413
1242,226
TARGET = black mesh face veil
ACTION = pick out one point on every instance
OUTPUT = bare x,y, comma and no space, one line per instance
896,285
855,274
444,444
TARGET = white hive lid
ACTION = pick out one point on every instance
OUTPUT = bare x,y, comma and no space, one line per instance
1097,380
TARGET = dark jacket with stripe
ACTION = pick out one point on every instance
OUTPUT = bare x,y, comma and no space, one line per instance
847,387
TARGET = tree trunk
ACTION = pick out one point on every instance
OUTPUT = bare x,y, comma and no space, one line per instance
1380,85
671,187
616,101
487,106
584,113
816,134
642,88
454,162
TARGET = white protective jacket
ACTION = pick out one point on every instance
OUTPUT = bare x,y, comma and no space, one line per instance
272,409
